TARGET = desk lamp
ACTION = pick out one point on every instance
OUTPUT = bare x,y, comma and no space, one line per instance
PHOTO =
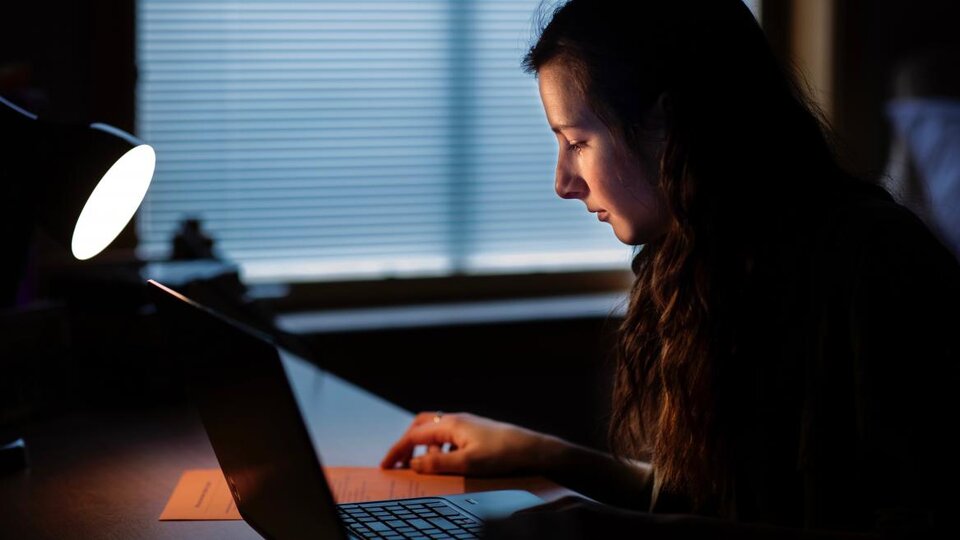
81,183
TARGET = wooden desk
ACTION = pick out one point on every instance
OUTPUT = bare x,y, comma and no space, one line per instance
109,474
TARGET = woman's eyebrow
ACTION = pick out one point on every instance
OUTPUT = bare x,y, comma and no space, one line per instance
556,128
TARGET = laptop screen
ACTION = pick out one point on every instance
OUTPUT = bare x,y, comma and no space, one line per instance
252,417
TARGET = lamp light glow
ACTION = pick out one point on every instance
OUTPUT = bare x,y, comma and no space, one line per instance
113,202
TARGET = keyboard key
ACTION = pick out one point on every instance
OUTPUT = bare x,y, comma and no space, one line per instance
442,523
420,524
377,526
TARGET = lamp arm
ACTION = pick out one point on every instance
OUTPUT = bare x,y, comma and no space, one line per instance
17,108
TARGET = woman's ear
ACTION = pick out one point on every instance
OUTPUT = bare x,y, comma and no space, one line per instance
661,111
657,116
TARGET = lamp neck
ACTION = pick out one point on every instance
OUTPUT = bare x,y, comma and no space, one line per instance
13,106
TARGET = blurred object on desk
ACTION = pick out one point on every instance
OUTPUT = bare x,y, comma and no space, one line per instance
190,242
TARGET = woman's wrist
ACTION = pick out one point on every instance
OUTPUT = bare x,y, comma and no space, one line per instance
596,474
551,454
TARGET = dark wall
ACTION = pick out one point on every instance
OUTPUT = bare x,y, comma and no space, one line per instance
70,60
873,37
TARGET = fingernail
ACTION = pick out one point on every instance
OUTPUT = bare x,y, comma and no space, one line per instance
415,463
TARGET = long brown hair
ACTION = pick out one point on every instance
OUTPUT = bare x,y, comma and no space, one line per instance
744,153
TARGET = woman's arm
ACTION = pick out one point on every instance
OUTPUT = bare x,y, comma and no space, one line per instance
484,447
600,476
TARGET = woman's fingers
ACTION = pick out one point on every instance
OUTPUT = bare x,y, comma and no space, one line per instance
400,452
465,444
440,463
428,434
428,417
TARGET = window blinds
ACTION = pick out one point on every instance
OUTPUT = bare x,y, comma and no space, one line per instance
328,140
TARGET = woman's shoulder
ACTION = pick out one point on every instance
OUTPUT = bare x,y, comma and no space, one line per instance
863,225
884,290
856,207
879,368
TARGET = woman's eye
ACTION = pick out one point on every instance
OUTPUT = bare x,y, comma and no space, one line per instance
575,147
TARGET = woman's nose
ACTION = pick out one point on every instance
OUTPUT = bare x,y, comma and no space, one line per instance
568,184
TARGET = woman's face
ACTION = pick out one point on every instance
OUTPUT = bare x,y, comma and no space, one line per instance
591,166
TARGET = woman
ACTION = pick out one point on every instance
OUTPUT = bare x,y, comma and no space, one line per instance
786,355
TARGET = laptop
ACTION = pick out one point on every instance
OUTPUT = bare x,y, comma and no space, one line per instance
252,418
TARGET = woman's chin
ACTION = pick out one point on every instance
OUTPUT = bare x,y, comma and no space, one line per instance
634,237
627,237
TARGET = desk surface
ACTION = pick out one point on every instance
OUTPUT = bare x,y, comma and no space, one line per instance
109,474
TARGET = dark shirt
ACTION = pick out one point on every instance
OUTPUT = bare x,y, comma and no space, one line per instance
846,369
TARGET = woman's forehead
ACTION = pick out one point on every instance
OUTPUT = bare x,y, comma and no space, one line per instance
562,100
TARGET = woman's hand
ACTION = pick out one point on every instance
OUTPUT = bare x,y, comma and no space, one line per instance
478,447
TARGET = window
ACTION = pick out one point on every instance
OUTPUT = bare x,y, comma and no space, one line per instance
353,140
328,140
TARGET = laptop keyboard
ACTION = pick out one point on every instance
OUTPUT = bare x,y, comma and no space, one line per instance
420,519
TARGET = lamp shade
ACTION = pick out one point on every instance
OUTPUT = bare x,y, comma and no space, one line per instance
118,166
80,183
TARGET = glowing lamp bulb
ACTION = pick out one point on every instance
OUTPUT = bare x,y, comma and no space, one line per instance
113,202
